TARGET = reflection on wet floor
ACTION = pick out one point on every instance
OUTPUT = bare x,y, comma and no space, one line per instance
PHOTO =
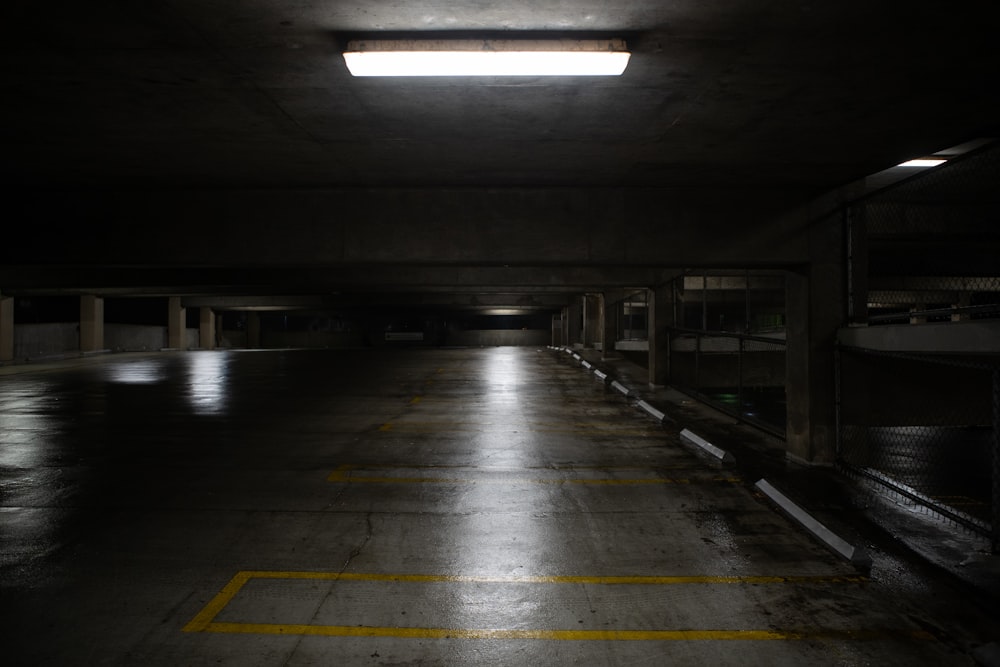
463,506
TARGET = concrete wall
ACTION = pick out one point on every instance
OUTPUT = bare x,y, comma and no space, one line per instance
33,341
499,337
134,337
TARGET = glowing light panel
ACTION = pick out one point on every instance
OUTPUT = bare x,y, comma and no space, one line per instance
487,58
923,163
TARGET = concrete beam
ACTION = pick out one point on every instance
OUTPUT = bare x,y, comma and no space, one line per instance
967,337
342,226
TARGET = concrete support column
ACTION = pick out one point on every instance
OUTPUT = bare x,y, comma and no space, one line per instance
659,314
206,329
610,305
91,323
176,324
6,328
815,302
253,329
574,317
591,320
218,330
555,339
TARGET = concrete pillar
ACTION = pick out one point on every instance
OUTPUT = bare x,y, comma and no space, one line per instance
574,316
815,303
610,305
206,329
6,328
176,324
659,319
91,323
218,330
591,320
556,328
253,329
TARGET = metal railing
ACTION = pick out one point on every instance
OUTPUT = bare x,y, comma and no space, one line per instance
739,374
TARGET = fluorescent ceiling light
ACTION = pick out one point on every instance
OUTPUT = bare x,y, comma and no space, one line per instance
562,57
926,162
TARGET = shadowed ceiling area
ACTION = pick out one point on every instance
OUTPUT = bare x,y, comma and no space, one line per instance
778,94
266,156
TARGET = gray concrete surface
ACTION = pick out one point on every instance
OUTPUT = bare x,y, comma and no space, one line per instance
440,507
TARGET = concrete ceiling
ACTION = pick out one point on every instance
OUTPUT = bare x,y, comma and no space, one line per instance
788,97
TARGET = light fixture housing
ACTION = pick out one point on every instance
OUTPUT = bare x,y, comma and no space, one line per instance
922,162
487,57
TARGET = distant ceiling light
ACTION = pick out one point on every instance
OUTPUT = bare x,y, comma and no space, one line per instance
926,162
441,57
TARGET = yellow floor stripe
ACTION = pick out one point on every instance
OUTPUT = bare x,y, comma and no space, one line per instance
555,579
561,635
493,427
205,620
345,473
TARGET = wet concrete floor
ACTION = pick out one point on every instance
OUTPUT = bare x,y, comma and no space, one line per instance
402,507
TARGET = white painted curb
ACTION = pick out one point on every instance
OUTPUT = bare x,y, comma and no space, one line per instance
720,454
620,387
603,377
586,364
656,414
834,542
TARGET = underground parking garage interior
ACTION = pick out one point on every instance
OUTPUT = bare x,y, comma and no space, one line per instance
689,359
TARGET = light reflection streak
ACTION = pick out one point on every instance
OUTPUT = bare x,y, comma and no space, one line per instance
137,372
208,377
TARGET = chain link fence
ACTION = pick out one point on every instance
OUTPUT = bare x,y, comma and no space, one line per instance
924,429
930,243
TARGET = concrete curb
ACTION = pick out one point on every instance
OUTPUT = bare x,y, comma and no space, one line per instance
653,412
603,377
694,439
856,555
621,388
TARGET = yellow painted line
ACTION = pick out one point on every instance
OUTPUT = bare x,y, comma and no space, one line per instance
385,427
415,400
487,427
204,621
200,622
344,473
564,635
556,579
338,476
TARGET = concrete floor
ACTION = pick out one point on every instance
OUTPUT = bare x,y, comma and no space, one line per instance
407,507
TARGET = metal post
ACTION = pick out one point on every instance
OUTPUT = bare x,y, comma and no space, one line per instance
697,359
739,378
996,461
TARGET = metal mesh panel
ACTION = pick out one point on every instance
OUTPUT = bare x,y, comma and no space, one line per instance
933,241
923,427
